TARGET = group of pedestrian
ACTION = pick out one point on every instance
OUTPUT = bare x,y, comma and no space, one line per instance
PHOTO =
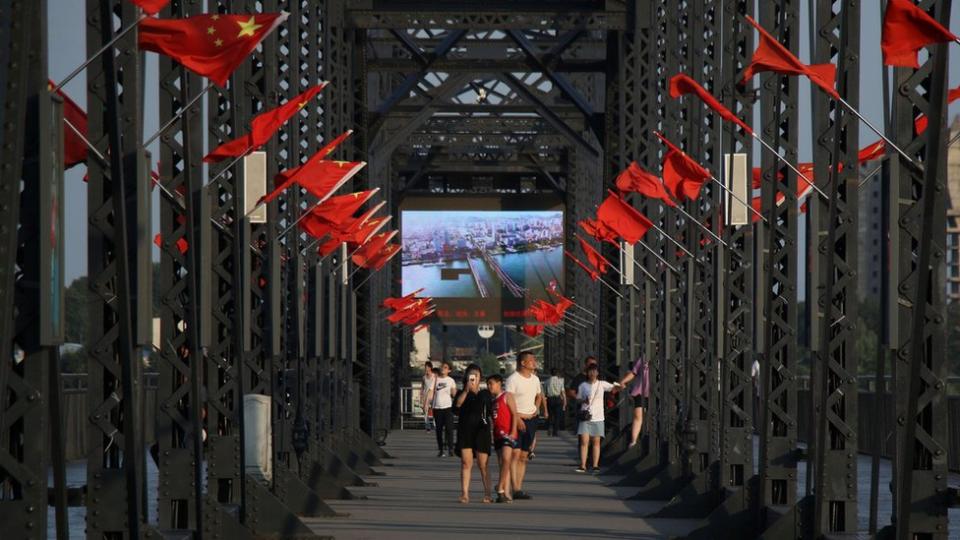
503,418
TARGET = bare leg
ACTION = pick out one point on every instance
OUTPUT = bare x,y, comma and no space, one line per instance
584,440
466,463
596,451
519,470
506,462
637,425
484,475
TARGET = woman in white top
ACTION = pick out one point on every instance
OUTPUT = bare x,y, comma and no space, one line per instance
590,429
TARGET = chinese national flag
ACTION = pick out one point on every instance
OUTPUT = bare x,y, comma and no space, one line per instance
682,84
635,179
771,55
355,235
369,251
210,45
382,258
411,310
684,176
906,30
599,231
262,127
74,149
316,227
316,175
337,210
623,219
594,275
593,256
403,302
151,7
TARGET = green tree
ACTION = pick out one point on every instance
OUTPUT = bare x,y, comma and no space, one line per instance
77,302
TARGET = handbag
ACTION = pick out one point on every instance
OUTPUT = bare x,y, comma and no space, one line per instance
584,415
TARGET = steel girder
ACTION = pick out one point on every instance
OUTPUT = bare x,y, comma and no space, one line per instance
116,502
180,397
777,484
920,502
835,145
25,361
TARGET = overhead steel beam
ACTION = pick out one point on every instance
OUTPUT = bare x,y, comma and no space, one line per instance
449,87
483,65
566,88
549,115
492,19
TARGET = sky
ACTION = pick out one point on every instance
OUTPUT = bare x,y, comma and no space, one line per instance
67,50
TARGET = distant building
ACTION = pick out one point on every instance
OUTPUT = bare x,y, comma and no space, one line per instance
953,215
869,264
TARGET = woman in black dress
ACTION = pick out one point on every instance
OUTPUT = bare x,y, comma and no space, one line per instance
474,425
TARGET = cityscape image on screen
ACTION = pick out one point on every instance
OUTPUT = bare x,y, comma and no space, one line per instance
481,254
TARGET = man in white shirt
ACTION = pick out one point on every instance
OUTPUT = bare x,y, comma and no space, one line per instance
525,387
426,394
444,389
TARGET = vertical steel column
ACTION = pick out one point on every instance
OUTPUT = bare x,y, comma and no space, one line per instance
178,397
778,105
920,366
835,145
115,467
736,328
24,363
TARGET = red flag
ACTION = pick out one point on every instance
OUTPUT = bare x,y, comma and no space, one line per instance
316,175
684,176
337,210
366,255
411,311
262,127
594,275
532,330
771,55
593,256
636,180
354,237
315,227
399,303
920,125
906,30
382,258
625,220
210,45
682,84
74,149
599,231
151,7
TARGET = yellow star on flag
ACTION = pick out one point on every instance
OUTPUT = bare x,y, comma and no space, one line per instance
341,163
211,30
214,17
218,42
248,28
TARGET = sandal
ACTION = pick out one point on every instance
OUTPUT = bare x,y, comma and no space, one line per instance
487,499
464,499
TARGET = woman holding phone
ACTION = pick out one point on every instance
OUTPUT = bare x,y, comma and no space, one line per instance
474,430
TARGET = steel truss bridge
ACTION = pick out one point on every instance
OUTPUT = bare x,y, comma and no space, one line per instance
494,97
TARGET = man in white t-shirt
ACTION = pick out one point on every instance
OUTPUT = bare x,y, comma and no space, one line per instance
426,394
444,389
525,387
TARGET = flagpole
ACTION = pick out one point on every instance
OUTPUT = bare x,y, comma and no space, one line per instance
875,130
701,225
741,201
661,259
604,259
177,116
885,157
616,292
576,318
668,237
592,314
102,49
789,165
103,160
